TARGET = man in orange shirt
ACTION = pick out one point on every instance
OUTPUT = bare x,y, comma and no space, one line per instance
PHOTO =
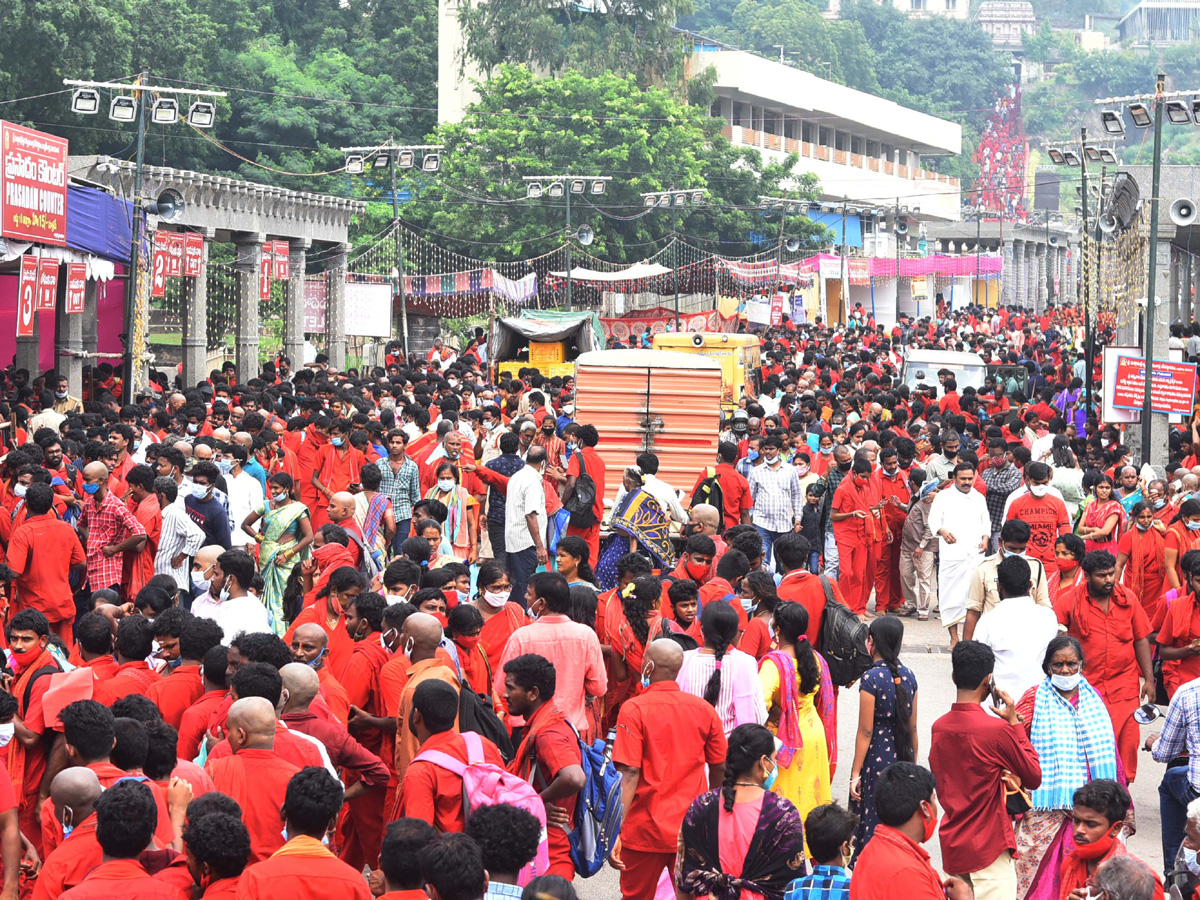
800,585
335,468
1045,514
121,437
263,681
255,776
860,533
217,847
585,456
303,868
42,554
432,789
665,740
138,566
309,643
194,721
892,485
735,490
73,794
1111,625
182,686
1179,637
316,436
135,643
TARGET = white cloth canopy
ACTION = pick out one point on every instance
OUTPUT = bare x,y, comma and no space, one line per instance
634,272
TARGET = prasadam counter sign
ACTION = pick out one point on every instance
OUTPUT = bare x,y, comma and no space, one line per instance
1173,390
33,185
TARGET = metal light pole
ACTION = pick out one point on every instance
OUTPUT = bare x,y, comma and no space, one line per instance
567,196
1087,307
1157,171
674,199
568,184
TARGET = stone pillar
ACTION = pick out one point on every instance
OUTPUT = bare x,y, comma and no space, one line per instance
249,267
1008,283
1043,269
1020,288
293,323
1195,288
70,332
27,349
335,312
195,318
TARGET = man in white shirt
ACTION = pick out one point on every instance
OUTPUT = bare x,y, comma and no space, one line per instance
227,601
245,492
959,517
525,523
667,497
1017,630
180,537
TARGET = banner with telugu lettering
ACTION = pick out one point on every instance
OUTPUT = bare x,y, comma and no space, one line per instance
47,287
193,254
76,287
660,320
26,295
33,185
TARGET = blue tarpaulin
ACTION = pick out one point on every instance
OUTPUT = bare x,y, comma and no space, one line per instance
98,223
833,221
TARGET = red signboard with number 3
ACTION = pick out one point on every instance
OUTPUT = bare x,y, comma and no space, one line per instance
26,294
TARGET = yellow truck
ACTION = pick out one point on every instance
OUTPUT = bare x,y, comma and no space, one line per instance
738,355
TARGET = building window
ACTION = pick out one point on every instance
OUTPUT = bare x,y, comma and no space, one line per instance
918,4
951,5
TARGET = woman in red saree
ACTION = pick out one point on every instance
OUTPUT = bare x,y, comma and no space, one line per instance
628,629
1182,535
501,616
1103,518
463,627
339,582
1140,558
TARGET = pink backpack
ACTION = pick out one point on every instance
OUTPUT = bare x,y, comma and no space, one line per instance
486,784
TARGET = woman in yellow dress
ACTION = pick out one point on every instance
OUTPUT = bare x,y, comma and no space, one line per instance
799,695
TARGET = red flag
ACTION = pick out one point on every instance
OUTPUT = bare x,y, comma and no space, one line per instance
264,275
282,267
175,244
193,254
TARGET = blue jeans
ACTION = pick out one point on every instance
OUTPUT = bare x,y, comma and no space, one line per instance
521,566
403,526
831,557
768,541
1175,792
814,562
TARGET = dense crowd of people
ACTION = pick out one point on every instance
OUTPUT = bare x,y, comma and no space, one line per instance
1001,156
408,632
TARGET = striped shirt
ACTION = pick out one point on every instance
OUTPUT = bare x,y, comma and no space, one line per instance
740,699
404,487
180,535
777,495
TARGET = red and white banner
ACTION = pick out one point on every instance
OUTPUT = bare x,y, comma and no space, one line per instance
159,263
282,267
776,309
193,254
658,320
47,291
1173,390
26,292
175,242
33,185
316,296
266,266
76,286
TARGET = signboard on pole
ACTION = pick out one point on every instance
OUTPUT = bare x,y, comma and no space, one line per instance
76,287
776,309
316,296
159,264
282,268
175,243
193,254
264,273
1173,390
33,185
26,292
47,289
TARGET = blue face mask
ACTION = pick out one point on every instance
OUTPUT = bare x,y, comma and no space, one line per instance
769,782
646,676
1193,526
337,442
91,488
752,455
463,596
225,465
317,661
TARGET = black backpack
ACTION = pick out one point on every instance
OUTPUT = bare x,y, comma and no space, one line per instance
842,640
475,714
709,491
581,503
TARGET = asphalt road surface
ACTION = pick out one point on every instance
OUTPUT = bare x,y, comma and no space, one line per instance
926,652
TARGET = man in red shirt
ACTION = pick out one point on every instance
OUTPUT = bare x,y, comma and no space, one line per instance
42,553
551,746
28,635
135,643
194,721
125,822
73,794
970,752
802,586
585,455
670,748
217,847
1045,514
894,865
399,859
859,531
949,404
182,686
302,868
891,483
432,789
1111,625
735,490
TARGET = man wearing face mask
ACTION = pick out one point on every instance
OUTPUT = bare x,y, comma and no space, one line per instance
894,866
940,465
309,643
892,484
73,793
1046,515
860,532
970,752
42,553
843,458
228,601
420,637
205,509
1099,811
107,528
777,496
1017,630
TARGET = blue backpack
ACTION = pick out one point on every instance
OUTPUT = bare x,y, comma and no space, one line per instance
599,812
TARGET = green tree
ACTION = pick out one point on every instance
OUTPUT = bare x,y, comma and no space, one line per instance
644,138
793,24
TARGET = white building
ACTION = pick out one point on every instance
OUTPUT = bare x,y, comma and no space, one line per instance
1007,21
955,9
862,148
1159,22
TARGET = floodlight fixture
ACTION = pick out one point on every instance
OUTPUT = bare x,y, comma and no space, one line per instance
165,111
202,114
1108,157
1113,122
355,165
698,196
556,190
381,161
1056,156
1140,113
1092,154
85,101
578,185
650,200
123,109
1071,158
431,163
533,190
680,199
404,159
598,187
1178,113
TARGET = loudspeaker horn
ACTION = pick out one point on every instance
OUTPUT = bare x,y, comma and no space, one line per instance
168,205
1183,212
901,227
793,244
585,235
1107,223
1053,241
697,340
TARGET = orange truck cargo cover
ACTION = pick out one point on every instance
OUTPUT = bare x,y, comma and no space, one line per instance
651,400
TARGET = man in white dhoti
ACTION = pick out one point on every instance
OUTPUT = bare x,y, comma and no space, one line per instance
959,517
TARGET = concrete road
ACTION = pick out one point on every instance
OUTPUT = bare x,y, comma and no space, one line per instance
927,653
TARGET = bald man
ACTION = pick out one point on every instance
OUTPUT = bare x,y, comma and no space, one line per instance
255,776
665,737
341,513
366,795
108,530
420,636
73,794
707,520
309,645
202,570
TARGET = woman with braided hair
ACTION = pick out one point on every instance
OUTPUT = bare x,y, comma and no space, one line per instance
742,841
725,677
628,629
887,722
799,696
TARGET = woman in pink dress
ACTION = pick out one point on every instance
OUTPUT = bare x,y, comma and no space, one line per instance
1103,518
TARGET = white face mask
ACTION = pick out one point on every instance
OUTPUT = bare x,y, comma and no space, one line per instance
199,582
6,734
280,497
20,489
496,599
445,485
1039,490
1189,856
1066,682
